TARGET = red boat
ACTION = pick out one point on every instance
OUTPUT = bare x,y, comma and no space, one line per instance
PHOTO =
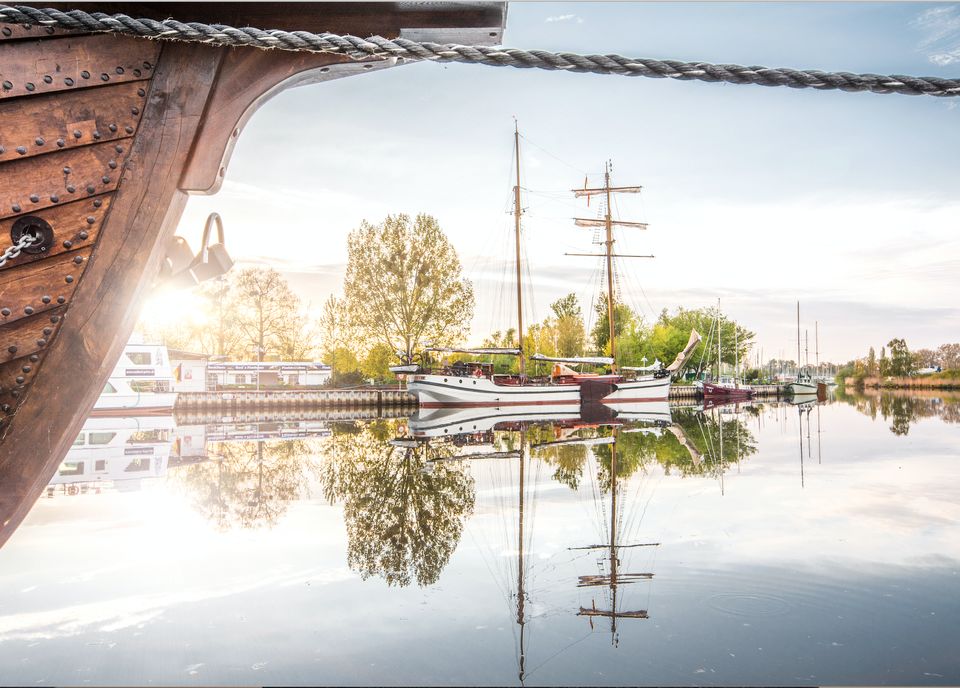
726,389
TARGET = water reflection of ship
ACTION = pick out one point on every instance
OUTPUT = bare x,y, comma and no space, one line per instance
613,578
118,451
441,422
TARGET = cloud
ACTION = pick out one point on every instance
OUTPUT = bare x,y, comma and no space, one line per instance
561,18
940,27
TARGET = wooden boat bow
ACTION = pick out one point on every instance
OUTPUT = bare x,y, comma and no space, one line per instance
103,137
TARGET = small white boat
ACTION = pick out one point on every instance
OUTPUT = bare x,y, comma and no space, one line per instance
804,384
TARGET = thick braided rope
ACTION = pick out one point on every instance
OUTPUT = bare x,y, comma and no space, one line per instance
381,48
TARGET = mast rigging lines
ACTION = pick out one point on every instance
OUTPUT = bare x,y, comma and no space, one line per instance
377,47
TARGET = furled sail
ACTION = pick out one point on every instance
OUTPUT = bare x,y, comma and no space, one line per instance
656,365
482,351
682,356
595,360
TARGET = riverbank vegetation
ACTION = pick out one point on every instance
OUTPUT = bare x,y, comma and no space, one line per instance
897,366
404,291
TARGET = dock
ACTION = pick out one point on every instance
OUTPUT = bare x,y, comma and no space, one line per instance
196,403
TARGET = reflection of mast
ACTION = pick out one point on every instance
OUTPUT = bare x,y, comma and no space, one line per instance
521,620
614,578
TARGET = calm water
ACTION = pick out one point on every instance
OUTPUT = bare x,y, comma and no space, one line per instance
809,545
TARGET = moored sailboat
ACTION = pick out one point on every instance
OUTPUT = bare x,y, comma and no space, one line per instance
804,384
475,384
726,387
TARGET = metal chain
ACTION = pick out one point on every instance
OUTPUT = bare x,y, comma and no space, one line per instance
26,240
381,48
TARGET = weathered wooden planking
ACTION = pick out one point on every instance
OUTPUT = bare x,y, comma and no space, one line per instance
41,286
75,226
71,62
59,121
28,336
19,32
49,180
129,250
14,377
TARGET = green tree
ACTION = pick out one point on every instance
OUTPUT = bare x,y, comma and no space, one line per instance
624,319
404,285
900,361
376,363
570,331
872,368
883,365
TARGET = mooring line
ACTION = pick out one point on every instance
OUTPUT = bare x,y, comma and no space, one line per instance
377,47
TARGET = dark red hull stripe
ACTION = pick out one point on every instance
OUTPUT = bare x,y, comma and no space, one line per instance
495,404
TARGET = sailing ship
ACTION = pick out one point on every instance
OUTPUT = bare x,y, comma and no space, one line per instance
804,384
103,138
474,384
726,387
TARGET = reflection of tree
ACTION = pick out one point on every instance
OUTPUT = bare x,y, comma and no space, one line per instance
692,446
904,408
403,520
248,484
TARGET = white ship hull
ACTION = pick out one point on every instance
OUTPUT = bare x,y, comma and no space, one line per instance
800,388
638,391
143,403
449,391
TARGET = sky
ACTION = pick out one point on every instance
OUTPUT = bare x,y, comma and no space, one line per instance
757,196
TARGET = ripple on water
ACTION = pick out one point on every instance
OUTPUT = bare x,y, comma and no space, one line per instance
749,604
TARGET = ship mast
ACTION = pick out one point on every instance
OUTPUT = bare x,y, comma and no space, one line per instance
608,244
798,341
608,223
517,210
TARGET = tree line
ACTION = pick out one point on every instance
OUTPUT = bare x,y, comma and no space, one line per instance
404,290
897,360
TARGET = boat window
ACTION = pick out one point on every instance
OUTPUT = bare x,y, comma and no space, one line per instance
80,441
101,437
145,436
150,386
139,357
109,389
71,468
137,465
100,466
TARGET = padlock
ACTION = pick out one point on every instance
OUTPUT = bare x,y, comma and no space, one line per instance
213,260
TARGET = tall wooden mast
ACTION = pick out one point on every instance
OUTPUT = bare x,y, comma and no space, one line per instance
609,250
608,223
517,210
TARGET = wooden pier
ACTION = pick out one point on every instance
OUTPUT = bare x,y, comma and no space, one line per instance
197,402
759,392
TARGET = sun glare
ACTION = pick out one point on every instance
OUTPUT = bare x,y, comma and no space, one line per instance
170,307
